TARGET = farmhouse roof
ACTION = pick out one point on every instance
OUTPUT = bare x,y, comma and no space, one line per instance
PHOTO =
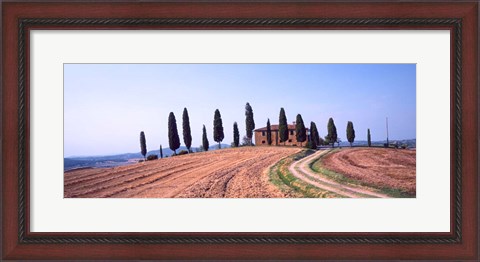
275,128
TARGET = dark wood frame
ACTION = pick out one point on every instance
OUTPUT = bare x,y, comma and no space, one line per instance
460,243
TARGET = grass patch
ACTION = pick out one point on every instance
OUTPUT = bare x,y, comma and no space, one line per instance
280,176
317,167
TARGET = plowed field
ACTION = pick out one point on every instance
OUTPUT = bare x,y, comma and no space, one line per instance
392,168
231,173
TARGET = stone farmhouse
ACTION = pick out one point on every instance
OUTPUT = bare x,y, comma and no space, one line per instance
261,136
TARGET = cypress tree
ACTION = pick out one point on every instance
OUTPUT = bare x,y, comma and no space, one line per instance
369,140
161,152
332,132
269,133
143,145
205,144
173,139
350,133
300,130
187,133
282,126
249,122
218,128
314,136
236,135
326,140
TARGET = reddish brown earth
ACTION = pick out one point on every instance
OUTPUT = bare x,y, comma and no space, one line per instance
231,173
382,167
301,170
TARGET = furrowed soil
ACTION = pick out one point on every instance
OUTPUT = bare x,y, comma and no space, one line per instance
227,173
380,167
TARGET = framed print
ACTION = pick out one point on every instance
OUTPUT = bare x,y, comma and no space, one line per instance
240,130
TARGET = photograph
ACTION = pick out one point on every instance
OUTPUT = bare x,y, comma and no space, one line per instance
239,130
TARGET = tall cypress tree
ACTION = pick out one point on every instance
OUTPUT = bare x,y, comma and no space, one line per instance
173,139
205,144
187,133
218,128
369,139
269,133
249,122
143,145
282,126
350,133
161,152
300,130
314,136
236,135
332,132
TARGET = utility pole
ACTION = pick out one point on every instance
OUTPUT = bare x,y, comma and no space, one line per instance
387,133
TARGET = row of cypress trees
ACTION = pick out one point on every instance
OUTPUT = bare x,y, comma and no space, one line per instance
315,139
331,137
218,134
332,133
173,138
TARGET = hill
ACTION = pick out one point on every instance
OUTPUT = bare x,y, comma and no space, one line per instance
232,173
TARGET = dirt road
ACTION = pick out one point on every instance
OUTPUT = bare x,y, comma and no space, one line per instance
301,170
232,173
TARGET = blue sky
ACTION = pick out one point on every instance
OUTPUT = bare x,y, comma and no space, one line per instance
107,105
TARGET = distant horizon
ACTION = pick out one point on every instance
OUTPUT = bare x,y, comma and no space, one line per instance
107,105
214,145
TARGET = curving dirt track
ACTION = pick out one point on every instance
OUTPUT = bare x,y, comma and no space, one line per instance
382,167
301,170
231,173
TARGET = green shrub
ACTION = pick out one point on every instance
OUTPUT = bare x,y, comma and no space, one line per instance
310,145
152,157
183,152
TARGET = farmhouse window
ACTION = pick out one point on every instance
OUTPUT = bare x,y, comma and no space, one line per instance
263,141
263,133
291,132
290,140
